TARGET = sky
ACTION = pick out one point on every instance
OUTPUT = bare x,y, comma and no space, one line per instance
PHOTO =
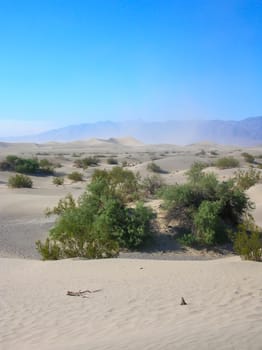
66,62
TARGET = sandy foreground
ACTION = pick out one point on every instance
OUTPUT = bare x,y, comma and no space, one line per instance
138,306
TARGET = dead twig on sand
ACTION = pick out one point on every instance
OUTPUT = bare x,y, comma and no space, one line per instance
82,293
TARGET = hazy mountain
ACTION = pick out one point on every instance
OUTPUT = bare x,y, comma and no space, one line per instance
243,132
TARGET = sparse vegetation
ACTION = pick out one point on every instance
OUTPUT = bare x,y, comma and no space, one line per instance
20,181
227,163
58,181
75,176
244,179
86,162
249,158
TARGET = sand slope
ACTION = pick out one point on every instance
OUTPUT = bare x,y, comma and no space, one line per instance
136,308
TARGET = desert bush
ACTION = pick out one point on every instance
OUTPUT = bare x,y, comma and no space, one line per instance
119,182
244,179
249,158
194,173
58,181
99,222
207,223
27,165
205,207
20,181
72,247
86,162
227,163
152,184
153,167
75,176
248,243
112,161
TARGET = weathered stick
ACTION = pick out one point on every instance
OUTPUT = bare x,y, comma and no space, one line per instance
81,293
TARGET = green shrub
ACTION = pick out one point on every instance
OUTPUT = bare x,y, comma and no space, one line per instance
153,167
119,182
205,207
227,163
248,243
49,250
99,222
75,176
195,172
244,179
248,157
58,181
208,224
27,165
20,181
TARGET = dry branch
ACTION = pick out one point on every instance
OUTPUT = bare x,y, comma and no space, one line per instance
82,293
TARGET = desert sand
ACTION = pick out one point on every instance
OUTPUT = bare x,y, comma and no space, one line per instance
138,302
138,306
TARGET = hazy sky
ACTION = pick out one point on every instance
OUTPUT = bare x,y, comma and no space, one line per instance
72,61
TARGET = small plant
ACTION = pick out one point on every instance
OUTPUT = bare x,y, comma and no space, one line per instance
244,179
49,250
154,168
248,243
227,163
75,176
248,157
58,181
20,181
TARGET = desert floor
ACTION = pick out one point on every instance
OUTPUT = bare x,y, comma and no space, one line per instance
138,306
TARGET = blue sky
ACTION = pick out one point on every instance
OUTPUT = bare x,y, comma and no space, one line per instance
72,61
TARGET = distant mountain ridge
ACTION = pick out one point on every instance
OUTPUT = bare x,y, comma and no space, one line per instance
243,132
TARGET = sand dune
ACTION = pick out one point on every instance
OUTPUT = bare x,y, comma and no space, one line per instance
138,306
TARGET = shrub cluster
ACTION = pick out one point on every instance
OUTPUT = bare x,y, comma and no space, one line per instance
206,208
100,221
27,165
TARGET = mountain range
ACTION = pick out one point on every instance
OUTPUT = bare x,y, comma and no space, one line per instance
244,132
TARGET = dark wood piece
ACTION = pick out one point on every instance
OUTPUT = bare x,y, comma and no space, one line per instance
183,302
